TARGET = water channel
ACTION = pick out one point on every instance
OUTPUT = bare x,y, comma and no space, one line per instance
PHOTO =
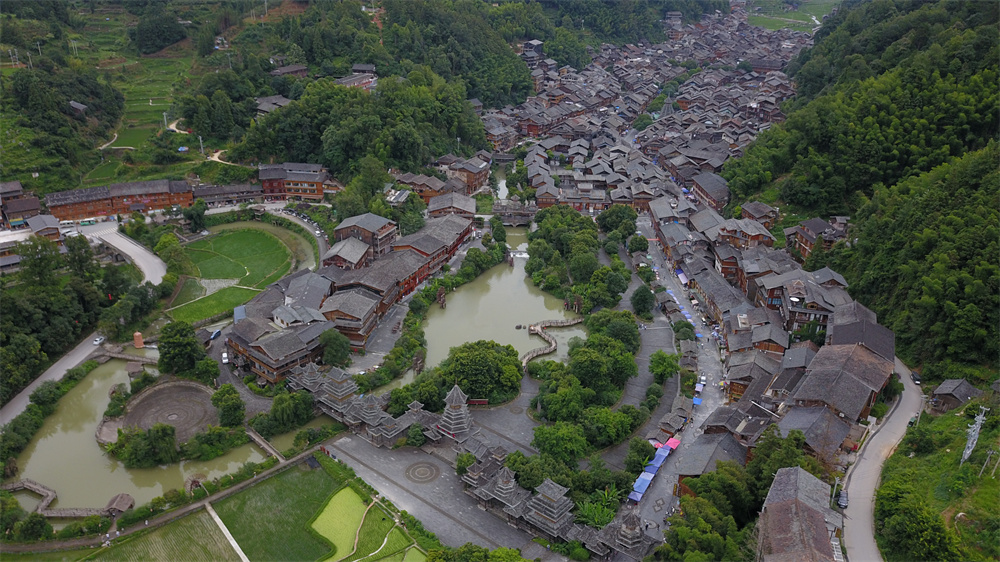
490,308
64,454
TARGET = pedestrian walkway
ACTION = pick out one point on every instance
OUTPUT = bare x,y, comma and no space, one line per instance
225,531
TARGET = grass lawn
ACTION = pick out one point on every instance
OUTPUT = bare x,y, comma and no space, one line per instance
104,172
376,526
270,521
340,520
414,555
190,291
948,489
302,250
213,304
195,537
253,256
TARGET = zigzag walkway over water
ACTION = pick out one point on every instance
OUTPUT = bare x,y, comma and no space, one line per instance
49,496
539,330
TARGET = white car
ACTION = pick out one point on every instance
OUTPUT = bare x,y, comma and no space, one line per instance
99,340
225,358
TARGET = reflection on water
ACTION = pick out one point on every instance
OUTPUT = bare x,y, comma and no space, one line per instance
490,308
64,454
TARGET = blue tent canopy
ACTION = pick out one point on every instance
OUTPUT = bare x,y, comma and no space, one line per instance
657,461
651,469
662,452
641,484
635,496
697,401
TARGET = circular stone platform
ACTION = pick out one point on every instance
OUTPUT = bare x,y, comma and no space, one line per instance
422,472
186,406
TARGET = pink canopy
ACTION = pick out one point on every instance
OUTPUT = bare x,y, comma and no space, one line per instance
657,445
673,442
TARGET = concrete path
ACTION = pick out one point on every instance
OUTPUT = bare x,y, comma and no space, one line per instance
863,477
71,359
225,531
427,488
109,143
153,269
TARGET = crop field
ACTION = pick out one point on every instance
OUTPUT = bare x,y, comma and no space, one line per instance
132,137
340,520
270,521
191,538
376,526
216,303
771,14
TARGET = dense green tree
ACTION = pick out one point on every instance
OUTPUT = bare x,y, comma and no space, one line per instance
336,348
613,217
179,349
40,260
484,369
80,257
195,214
642,122
642,300
639,453
34,527
415,435
231,407
684,330
563,441
637,243
663,366
497,229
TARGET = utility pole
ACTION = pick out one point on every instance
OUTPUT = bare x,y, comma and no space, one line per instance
29,61
39,45
164,119
265,7
202,145
230,56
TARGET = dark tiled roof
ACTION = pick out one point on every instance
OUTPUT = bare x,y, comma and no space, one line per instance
77,196
368,221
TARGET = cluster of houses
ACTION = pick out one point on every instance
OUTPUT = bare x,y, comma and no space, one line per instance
724,105
546,513
464,176
367,270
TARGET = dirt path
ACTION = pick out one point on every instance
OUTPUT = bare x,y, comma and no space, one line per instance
109,143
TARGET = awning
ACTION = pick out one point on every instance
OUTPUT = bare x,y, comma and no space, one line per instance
673,442
683,279
699,387
697,401
635,496
657,461
651,469
662,453
679,271
641,484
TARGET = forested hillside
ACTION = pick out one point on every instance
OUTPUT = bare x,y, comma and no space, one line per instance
407,122
892,91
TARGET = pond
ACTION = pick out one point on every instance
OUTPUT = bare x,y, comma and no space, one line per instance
64,454
490,308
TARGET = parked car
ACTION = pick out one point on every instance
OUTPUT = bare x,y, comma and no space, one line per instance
703,379
842,500
225,358
216,334
99,340
915,376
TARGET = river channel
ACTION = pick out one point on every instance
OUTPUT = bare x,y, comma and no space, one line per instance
64,454
490,308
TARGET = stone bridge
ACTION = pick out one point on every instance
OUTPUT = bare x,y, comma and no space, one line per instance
264,444
127,357
539,330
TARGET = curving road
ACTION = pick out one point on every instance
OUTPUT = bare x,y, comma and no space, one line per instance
864,475
152,269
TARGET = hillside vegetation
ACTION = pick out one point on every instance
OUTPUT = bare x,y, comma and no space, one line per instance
899,106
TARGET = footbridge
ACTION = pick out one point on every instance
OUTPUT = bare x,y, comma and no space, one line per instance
539,330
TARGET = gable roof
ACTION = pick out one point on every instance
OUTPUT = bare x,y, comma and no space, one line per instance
368,221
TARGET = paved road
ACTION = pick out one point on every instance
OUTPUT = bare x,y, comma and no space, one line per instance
71,359
152,269
863,476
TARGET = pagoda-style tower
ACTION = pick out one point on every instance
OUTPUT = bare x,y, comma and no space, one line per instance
338,390
548,510
630,533
455,420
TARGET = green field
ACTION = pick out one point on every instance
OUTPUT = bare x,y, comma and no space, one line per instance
771,14
301,249
248,255
216,303
191,538
133,137
374,529
270,521
104,172
414,555
190,290
339,521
